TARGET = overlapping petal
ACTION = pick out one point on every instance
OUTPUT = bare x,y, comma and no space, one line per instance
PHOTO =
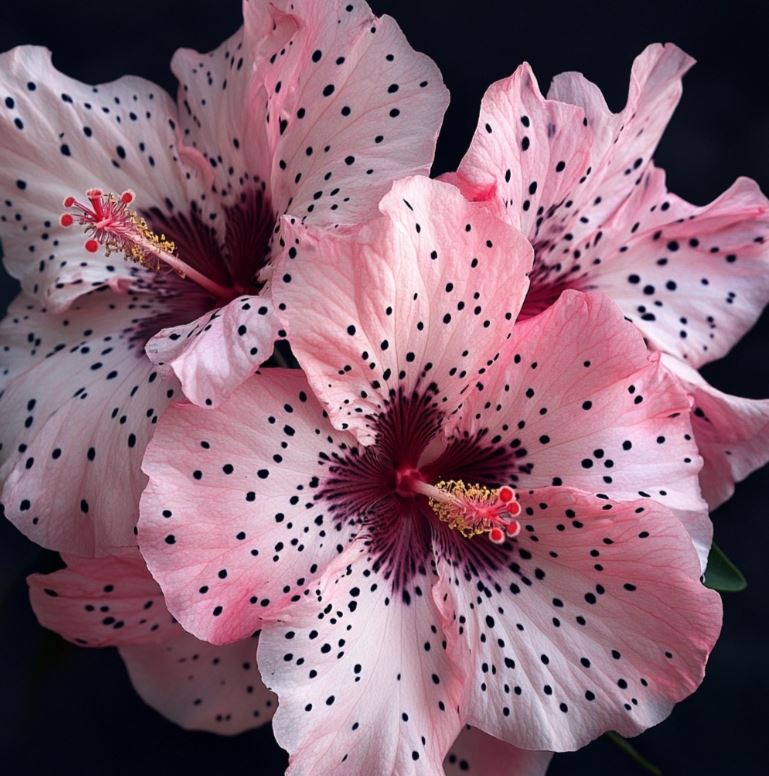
103,602
559,167
578,401
693,279
222,132
624,143
527,155
115,602
363,677
351,107
230,526
200,686
215,353
80,402
477,754
598,622
423,297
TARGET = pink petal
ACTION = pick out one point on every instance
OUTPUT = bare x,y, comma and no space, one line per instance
693,279
214,354
229,523
559,167
78,409
363,679
527,153
423,296
584,405
351,107
200,686
624,142
732,433
115,602
105,602
224,136
60,137
601,623
477,754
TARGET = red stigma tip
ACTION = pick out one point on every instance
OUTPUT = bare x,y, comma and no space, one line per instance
513,508
506,494
513,528
106,219
497,535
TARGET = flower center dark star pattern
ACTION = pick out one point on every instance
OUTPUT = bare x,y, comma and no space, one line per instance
387,489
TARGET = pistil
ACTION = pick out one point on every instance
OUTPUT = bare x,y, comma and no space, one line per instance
111,224
473,509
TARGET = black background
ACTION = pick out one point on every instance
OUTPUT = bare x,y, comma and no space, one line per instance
64,709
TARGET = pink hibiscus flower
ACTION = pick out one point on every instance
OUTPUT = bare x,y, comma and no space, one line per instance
311,109
579,181
471,523
114,602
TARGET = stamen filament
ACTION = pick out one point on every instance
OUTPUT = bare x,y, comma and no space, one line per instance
434,493
182,269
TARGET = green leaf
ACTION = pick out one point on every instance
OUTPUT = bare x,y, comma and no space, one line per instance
633,753
722,574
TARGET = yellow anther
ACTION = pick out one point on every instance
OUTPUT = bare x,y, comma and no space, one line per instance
461,510
145,255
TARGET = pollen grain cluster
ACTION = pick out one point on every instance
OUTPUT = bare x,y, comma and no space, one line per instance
461,512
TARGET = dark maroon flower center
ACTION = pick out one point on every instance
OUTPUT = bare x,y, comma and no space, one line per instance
556,268
374,488
234,263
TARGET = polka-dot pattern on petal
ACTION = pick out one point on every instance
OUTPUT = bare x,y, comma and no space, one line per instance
693,279
230,524
225,148
424,297
105,602
244,330
80,402
579,402
624,142
114,601
363,679
558,645
527,155
351,107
